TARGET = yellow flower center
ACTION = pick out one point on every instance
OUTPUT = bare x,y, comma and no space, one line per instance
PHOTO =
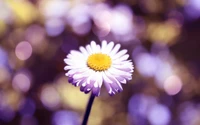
99,62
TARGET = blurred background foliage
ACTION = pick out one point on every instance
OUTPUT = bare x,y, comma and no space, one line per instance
163,39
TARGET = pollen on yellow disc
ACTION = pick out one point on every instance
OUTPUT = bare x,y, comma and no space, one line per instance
99,61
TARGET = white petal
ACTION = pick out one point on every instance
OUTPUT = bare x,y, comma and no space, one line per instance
119,78
123,68
109,48
82,81
116,85
119,54
126,66
75,62
105,78
70,67
115,50
91,77
98,49
83,73
69,61
117,72
103,46
89,49
124,57
107,83
93,47
84,51
70,56
99,79
76,53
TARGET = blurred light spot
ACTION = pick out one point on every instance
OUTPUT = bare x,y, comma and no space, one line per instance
35,35
28,120
172,85
3,27
138,50
27,107
176,15
151,6
21,82
163,72
121,14
54,27
12,99
54,8
192,9
159,115
160,50
140,104
181,2
66,91
102,30
165,33
82,28
146,64
4,74
110,20
6,114
101,107
23,50
22,10
138,107
78,18
189,113
3,57
6,14
65,118
101,15
50,97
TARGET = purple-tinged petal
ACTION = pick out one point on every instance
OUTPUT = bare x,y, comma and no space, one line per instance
70,79
116,86
123,68
88,88
107,82
83,86
112,93
96,91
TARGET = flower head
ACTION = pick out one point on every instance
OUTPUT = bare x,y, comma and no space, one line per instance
94,65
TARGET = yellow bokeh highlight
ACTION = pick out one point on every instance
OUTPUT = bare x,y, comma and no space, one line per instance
153,6
70,95
23,10
12,99
165,33
100,111
3,27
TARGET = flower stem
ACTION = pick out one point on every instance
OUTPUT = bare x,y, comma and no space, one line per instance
88,109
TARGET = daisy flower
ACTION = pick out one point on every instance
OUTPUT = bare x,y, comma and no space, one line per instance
94,65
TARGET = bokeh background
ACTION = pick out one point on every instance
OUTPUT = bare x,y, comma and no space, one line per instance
163,39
